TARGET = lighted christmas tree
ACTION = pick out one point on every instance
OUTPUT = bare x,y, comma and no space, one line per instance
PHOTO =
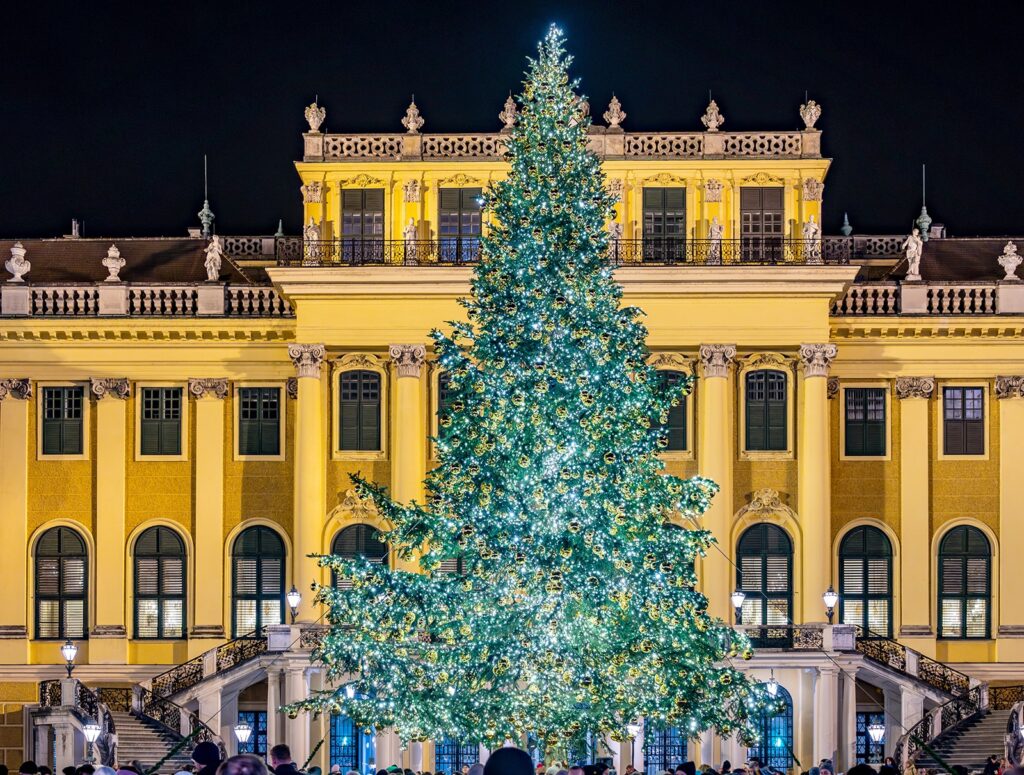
557,597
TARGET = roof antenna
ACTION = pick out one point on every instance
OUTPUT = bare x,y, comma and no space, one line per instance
206,216
924,221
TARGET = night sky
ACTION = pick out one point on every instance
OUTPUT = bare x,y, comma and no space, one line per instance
107,109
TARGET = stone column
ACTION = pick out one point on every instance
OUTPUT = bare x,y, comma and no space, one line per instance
208,619
15,405
387,749
915,546
409,456
847,719
109,641
296,688
310,462
228,719
813,481
273,703
1010,392
715,458
894,725
826,700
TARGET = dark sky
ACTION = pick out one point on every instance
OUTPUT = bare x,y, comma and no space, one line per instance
106,109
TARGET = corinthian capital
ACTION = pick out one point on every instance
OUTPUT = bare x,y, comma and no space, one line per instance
715,359
408,358
915,387
816,358
1009,387
110,387
208,388
20,389
308,358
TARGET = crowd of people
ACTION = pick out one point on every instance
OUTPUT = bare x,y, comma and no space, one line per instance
207,760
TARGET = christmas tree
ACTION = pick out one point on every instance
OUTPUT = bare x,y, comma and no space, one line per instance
557,596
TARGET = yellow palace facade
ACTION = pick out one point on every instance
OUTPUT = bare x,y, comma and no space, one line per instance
179,418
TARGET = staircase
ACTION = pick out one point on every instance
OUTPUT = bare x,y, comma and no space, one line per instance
970,744
149,742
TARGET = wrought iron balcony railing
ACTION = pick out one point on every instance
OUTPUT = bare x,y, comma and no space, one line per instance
673,251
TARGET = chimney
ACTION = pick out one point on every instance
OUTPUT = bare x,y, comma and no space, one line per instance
195,232
75,230
937,231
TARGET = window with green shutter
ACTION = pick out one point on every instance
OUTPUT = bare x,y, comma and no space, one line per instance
963,414
161,421
257,585
761,224
865,422
675,429
360,540
865,580
765,573
362,225
965,584
259,421
159,584
62,585
664,223
766,411
359,410
459,224
62,420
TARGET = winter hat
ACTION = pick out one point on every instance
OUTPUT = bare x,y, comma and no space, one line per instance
509,761
206,753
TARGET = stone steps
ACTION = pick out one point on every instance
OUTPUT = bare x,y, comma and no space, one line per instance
147,742
970,745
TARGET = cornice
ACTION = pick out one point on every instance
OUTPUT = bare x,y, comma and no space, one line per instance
56,330
930,328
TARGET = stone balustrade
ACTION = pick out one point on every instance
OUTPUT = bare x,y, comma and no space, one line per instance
892,298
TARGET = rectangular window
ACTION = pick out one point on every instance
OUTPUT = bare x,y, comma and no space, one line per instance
766,412
761,224
362,225
259,421
62,420
664,224
865,422
359,411
459,224
676,426
161,421
963,420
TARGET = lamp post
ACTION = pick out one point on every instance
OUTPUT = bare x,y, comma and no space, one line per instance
772,686
633,730
831,598
737,598
294,598
876,732
92,733
69,651
242,732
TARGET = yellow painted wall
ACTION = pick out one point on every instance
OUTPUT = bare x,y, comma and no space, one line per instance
13,697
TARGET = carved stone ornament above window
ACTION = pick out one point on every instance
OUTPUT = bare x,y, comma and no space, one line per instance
459,179
715,359
915,387
411,191
362,180
111,387
361,508
762,179
20,389
671,361
713,190
832,387
208,387
1009,387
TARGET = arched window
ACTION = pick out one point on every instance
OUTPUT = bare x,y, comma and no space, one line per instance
159,584
865,580
358,541
675,428
352,748
451,754
775,735
765,574
664,749
766,414
965,584
62,585
258,580
359,411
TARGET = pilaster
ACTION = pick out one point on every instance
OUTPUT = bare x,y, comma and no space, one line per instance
915,547
310,460
15,405
813,480
1010,635
109,636
296,729
408,465
209,395
715,458
847,756
826,701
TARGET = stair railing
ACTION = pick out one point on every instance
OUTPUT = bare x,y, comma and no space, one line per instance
217,660
1011,698
939,721
87,707
892,654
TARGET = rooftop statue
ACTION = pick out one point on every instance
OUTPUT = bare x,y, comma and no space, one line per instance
214,258
315,115
114,263
1010,260
17,264
913,245
712,118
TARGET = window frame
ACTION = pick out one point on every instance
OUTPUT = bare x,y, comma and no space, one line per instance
236,418
965,595
671,747
61,597
374,530
764,726
360,362
763,593
258,596
766,362
678,363
940,418
867,596
86,419
140,390
435,373
160,597
887,423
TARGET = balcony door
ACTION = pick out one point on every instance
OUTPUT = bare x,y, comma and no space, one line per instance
362,225
664,225
459,225
761,224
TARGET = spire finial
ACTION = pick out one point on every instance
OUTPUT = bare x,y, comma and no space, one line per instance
206,189
924,221
206,216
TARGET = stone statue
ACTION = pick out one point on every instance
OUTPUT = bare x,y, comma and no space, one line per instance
614,230
315,116
413,121
17,264
812,240
311,232
411,191
1010,260
214,258
913,245
810,112
508,115
615,115
715,231
312,250
410,232
113,262
712,118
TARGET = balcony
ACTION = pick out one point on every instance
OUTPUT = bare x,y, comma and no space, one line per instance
662,251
